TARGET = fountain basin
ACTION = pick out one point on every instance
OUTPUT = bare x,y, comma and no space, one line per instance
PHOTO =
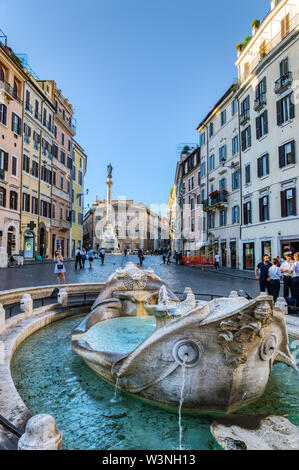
227,346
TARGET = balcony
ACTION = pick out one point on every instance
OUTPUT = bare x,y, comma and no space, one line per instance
9,91
244,118
283,82
219,201
62,225
259,102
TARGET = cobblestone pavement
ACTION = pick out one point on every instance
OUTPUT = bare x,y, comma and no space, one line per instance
178,277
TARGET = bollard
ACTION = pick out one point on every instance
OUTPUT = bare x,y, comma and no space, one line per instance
26,304
41,434
2,318
62,297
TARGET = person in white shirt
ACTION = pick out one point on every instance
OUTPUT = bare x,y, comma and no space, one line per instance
285,268
217,261
295,273
274,278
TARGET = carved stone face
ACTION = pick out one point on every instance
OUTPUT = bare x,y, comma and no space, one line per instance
262,311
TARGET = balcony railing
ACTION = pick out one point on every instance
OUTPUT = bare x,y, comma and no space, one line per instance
283,82
9,91
269,46
211,204
259,102
244,118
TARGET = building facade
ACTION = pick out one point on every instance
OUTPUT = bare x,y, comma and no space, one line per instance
78,172
246,175
269,122
11,143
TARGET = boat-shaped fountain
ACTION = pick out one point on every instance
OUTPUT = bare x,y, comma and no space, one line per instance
224,349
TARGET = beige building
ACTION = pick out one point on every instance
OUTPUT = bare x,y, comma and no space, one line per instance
134,224
269,121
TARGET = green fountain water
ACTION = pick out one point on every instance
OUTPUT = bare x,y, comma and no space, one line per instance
52,379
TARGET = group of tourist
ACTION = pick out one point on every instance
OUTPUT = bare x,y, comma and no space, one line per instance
269,275
80,257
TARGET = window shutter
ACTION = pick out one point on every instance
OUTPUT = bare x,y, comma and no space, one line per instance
293,151
5,161
292,106
261,209
279,112
249,136
259,167
281,156
266,122
4,197
4,114
19,126
256,92
264,85
245,214
267,164
294,202
12,121
243,140
258,127
283,203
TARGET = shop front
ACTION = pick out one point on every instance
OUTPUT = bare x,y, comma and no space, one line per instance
28,245
289,245
248,256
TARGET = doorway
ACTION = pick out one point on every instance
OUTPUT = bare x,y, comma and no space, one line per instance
28,245
11,241
233,255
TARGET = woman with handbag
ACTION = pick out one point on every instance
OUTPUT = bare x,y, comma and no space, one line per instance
59,267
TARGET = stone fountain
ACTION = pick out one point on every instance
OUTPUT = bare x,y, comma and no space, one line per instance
223,349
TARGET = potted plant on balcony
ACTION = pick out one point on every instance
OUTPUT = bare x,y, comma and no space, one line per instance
255,24
239,47
214,194
225,192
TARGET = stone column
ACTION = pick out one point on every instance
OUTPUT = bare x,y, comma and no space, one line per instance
41,434
2,318
3,257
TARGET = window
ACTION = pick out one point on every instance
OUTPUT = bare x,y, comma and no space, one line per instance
288,202
245,110
62,138
235,215
262,125
246,138
211,130
45,117
69,145
287,154
26,164
211,221
223,218
80,180
55,151
36,139
74,173
202,169
235,145
14,165
198,178
203,138
285,26
260,94
222,153
211,162
264,208
27,133
61,182
34,205
247,213
222,184
73,196
62,157
36,109
3,160
234,107
26,202
192,225
63,114
192,204
263,166
235,180
223,117
285,109
2,197
16,124
3,114
35,169
202,195
247,174
1,75
55,132
13,201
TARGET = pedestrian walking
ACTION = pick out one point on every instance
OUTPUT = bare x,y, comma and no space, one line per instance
217,261
141,256
102,255
125,252
285,269
90,257
262,274
78,258
295,273
164,256
168,257
83,257
59,267
274,278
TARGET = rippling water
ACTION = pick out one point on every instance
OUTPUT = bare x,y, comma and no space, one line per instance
51,378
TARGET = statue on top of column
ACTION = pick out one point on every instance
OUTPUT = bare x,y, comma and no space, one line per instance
109,170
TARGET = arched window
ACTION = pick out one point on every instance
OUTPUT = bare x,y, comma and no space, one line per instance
1,74
2,197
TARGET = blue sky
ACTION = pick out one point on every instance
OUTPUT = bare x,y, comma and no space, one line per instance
140,74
